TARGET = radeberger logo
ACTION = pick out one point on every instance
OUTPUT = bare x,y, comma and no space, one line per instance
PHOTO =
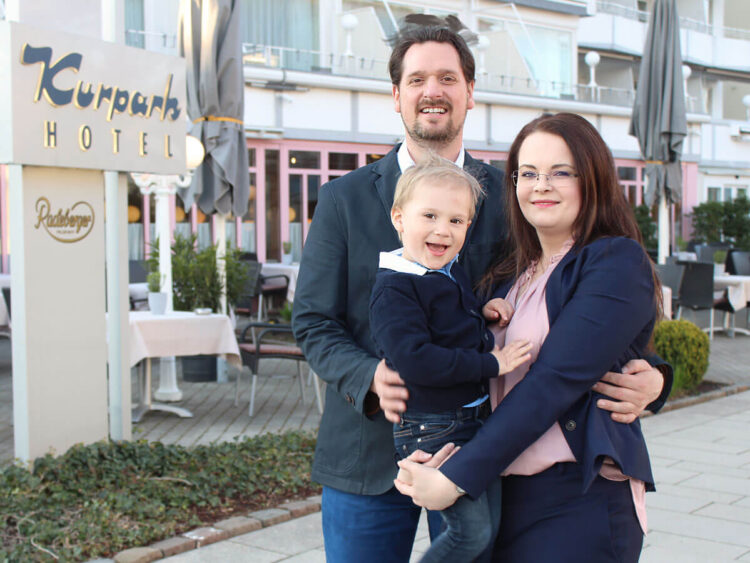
69,225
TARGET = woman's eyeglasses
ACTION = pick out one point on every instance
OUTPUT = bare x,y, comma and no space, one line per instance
529,178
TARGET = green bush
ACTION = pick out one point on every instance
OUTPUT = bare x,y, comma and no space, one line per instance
686,347
646,225
723,221
99,499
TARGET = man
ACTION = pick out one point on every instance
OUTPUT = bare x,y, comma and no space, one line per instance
364,517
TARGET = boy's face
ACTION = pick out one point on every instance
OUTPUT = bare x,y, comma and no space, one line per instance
433,222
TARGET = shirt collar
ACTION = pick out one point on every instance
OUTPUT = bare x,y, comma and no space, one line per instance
395,261
405,161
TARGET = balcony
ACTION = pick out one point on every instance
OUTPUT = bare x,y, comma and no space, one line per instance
320,65
621,29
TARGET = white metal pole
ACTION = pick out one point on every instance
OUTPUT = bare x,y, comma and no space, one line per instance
119,381
663,229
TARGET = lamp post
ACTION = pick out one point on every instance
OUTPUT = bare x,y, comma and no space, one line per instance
162,187
592,59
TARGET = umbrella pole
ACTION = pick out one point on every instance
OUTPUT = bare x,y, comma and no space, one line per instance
663,226
220,234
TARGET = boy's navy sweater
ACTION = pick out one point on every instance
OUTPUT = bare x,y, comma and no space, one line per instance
430,329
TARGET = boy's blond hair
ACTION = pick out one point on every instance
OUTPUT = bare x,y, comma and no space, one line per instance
439,169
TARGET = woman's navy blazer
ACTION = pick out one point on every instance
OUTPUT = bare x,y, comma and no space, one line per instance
601,307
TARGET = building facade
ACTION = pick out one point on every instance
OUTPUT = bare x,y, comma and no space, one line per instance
318,98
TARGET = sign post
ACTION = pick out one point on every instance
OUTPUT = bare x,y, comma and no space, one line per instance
72,107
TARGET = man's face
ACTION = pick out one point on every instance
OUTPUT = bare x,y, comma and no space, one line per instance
433,96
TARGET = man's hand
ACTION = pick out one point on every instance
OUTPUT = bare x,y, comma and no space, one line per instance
637,386
392,395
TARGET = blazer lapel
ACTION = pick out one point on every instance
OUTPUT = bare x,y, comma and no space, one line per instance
387,172
476,169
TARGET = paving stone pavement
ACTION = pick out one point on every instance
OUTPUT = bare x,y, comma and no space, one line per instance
700,454
700,512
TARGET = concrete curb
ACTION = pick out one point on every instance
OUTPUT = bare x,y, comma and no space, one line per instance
238,525
225,529
702,398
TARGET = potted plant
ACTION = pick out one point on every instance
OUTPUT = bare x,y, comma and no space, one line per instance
157,299
196,284
286,256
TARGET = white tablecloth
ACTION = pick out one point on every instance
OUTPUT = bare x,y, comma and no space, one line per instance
738,289
181,334
289,270
666,293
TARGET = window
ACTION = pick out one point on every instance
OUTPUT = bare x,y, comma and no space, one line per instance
342,161
291,26
304,159
713,194
134,23
381,10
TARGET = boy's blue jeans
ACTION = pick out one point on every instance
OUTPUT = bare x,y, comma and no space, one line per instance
471,525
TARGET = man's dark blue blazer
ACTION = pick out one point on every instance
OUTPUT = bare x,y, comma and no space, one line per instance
351,226
601,307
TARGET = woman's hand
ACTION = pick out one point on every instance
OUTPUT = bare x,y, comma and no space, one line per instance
425,485
637,386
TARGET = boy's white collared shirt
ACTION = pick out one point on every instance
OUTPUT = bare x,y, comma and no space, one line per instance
394,260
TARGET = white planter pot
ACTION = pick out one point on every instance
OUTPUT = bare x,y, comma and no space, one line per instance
719,269
286,258
157,303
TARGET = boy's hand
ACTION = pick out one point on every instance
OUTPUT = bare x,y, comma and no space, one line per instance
512,355
389,387
498,310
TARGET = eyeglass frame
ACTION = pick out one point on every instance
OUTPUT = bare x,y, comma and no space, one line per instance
550,177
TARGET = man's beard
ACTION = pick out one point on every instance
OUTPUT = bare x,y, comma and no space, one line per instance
426,134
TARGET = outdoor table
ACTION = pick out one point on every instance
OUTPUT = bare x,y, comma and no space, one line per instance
177,333
666,294
138,291
738,292
289,270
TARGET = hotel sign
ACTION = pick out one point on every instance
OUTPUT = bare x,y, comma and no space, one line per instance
75,102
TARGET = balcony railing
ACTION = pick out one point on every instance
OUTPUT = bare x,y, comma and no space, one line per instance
685,23
363,67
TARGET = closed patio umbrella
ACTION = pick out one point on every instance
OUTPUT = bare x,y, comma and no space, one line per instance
659,120
211,44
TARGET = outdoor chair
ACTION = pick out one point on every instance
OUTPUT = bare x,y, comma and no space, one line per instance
697,290
671,275
738,263
258,289
254,348
5,330
137,271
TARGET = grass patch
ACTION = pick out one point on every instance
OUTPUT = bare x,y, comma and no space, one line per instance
99,499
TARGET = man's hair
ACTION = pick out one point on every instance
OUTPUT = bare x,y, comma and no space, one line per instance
413,34
439,170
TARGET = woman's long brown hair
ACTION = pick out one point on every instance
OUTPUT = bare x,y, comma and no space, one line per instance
604,210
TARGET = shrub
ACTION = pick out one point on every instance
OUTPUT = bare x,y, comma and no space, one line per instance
98,499
686,347
646,225
727,221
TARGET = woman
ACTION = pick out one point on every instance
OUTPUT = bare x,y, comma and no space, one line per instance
586,295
